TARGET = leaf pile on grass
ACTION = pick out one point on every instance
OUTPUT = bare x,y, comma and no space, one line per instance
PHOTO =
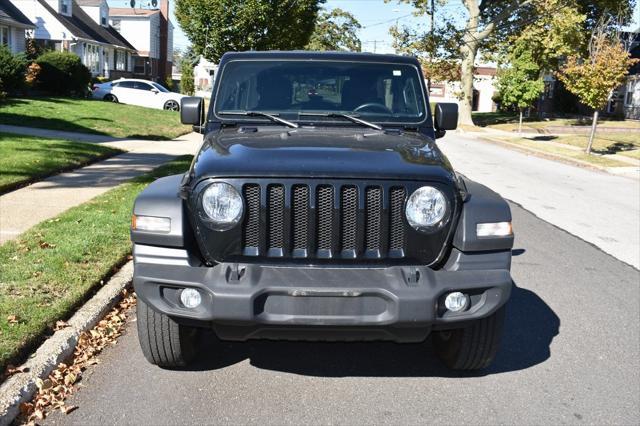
51,269
24,159
53,391
93,116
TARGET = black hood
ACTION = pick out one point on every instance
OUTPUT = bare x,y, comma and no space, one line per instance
327,152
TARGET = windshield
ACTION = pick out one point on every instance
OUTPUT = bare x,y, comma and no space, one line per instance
379,92
160,87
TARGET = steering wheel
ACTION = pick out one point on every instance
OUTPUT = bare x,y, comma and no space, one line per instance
374,105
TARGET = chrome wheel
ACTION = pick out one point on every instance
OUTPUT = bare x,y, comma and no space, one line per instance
172,106
111,98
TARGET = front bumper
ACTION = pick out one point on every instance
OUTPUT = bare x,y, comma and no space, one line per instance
245,301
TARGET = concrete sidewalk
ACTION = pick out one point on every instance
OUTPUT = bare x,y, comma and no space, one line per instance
176,146
23,208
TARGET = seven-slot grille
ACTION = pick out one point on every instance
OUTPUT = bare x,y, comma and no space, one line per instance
324,221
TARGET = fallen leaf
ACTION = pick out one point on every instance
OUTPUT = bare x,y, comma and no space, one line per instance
11,370
60,325
66,409
12,319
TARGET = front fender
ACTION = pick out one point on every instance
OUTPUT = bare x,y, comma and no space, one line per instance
481,205
161,199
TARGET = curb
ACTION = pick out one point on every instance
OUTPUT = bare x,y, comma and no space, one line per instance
21,387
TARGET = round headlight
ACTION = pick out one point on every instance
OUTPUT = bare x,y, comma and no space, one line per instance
426,208
223,205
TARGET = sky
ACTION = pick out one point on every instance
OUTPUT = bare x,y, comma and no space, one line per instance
375,16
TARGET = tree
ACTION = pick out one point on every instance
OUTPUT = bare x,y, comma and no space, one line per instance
217,26
520,84
335,30
593,78
490,23
187,82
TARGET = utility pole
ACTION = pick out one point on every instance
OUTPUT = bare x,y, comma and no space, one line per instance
433,13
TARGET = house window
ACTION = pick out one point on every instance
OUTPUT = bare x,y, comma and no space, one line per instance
4,36
65,7
633,92
92,58
120,60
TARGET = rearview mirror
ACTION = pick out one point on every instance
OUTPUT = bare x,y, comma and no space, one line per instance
192,111
445,118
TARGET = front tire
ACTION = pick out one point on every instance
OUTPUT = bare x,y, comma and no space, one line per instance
110,98
164,342
171,106
473,347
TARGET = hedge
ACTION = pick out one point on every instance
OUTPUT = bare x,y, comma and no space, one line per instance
62,73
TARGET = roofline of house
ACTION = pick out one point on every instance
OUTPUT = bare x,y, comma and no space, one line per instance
16,24
91,41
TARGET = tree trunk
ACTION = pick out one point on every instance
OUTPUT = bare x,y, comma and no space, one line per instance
520,124
594,124
466,80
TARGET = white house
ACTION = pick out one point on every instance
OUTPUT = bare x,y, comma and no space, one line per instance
484,79
64,25
203,75
151,33
13,25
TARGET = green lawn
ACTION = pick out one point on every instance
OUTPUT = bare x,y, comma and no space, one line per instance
92,116
55,266
24,159
509,122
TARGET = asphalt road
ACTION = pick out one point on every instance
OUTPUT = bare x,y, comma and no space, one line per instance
596,206
570,354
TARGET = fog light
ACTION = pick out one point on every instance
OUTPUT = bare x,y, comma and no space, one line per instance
190,298
456,301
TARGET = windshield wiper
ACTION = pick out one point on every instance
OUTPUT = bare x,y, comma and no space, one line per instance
351,118
271,117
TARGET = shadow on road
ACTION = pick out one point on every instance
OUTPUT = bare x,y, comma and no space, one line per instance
529,330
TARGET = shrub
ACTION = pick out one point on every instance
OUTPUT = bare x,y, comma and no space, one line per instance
33,71
62,73
12,69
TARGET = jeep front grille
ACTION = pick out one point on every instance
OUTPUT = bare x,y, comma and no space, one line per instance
324,221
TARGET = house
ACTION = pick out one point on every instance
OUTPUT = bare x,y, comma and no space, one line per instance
13,26
65,25
203,75
631,88
484,79
151,32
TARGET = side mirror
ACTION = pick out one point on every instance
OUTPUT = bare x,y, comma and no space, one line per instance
446,118
154,90
192,111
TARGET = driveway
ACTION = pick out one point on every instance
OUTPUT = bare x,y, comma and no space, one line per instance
570,352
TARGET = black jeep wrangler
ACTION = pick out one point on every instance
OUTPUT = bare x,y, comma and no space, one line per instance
319,207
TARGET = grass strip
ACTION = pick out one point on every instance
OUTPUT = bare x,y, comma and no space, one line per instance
569,153
92,116
55,266
26,159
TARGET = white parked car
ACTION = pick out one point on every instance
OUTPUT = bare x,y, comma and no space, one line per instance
138,92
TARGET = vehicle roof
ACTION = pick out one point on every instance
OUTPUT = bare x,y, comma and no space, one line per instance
134,79
311,55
